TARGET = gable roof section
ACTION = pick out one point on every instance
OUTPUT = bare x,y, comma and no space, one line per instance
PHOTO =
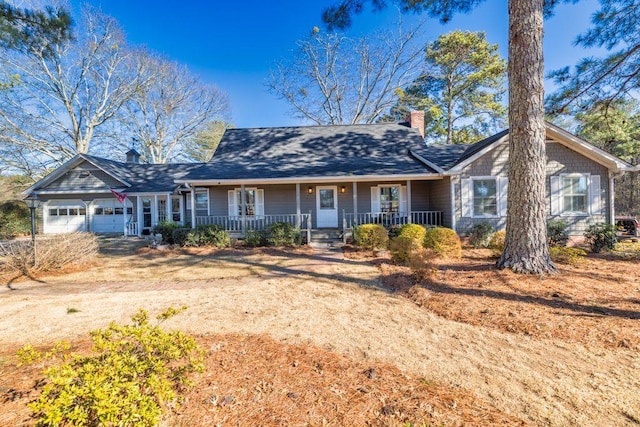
314,151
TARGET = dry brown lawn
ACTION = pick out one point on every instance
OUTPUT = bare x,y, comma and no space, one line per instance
473,346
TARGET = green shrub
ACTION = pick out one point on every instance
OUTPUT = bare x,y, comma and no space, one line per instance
402,247
166,228
213,235
181,236
573,256
282,234
601,236
15,219
421,263
134,372
413,231
370,236
496,242
443,241
479,234
557,232
255,238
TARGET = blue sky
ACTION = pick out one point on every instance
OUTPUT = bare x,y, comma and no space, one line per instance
234,44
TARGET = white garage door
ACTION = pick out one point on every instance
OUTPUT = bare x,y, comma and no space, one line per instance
65,216
107,215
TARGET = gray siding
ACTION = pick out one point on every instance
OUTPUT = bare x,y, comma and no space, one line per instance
440,199
84,176
560,159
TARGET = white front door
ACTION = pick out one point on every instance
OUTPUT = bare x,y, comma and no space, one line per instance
327,206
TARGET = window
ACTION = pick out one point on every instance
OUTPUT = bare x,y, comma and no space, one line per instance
253,199
389,199
574,194
98,211
485,197
175,210
53,212
327,198
202,201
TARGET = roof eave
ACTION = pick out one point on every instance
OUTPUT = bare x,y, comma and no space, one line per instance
310,179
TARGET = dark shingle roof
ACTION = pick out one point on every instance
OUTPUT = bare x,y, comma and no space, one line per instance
449,155
145,177
314,151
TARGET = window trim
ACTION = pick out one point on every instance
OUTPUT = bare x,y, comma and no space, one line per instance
561,195
200,190
238,198
493,178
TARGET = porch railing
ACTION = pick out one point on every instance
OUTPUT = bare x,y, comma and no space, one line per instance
241,225
132,229
390,219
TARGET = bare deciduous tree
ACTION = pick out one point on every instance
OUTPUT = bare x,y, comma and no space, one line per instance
61,102
171,108
334,79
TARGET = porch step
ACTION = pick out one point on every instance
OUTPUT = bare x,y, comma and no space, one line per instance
326,238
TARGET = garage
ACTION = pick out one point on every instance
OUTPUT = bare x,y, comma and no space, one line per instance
65,216
108,215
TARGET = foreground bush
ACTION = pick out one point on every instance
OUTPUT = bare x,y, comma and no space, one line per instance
413,231
15,219
402,247
496,242
134,372
166,228
255,238
421,263
51,253
479,234
370,236
557,232
572,256
282,234
601,236
203,235
443,241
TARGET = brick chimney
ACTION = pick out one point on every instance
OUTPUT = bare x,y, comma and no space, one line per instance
416,121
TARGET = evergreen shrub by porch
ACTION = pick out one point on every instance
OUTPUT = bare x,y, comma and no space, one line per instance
414,232
213,235
479,234
371,236
15,219
557,232
166,228
282,234
402,247
134,372
443,241
255,238
601,236
183,236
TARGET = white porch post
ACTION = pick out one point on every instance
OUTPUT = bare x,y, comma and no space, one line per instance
243,212
612,206
193,207
169,217
409,201
139,214
154,211
355,199
124,216
452,182
298,219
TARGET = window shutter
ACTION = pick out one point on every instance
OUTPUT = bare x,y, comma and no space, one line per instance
403,200
466,194
503,184
233,206
556,206
260,202
375,199
595,205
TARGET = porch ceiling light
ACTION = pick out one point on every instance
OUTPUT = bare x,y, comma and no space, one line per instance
310,190
343,189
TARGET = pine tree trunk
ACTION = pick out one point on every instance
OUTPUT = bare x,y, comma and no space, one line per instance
526,249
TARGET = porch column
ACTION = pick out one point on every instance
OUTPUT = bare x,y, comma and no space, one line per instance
243,211
298,219
612,207
193,207
355,199
139,214
154,211
169,209
409,201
